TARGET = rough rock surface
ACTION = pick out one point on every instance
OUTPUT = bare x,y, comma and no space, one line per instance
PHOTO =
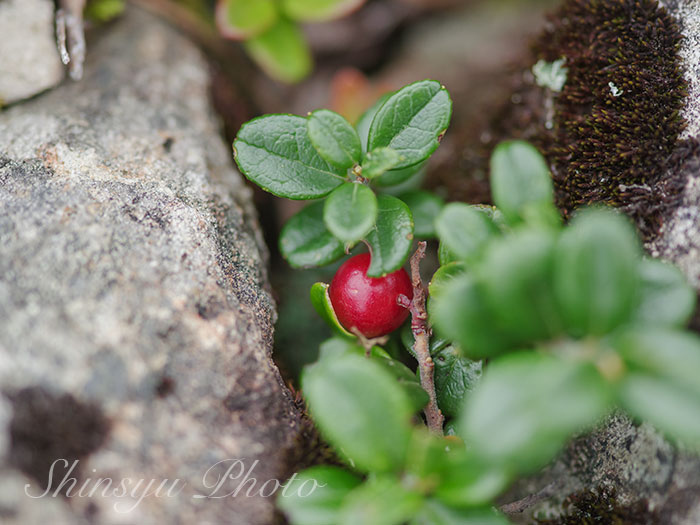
30,61
623,471
135,315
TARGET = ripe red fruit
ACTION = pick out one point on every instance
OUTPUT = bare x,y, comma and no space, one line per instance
369,303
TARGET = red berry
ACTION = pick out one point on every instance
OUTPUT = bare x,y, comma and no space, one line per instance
368,303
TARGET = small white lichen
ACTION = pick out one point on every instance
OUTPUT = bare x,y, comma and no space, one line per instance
616,92
551,75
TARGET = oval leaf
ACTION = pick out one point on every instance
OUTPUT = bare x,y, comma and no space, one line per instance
319,10
281,51
322,304
334,139
380,501
412,121
275,153
425,207
241,19
520,180
361,410
378,161
666,297
527,405
305,242
455,377
596,272
392,237
350,212
465,230
314,496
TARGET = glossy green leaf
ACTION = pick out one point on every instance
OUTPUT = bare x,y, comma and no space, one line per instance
275,153
380,501
520,180
314,496
392,237
334,139
435,512
281,51
445,256
442,278
455,376
361,410
596,272
319,10
527,405
350,212
666,298
465,230
407,380
378,161
672,408
339,346
516,272
322,304
403,176
425,207
305,242
241,19
664,352
412,121
365,121
459,313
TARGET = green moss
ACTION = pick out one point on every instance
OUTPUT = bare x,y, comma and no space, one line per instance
603,147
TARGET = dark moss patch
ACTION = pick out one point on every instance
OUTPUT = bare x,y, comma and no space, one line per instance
46,428
601,507
602,148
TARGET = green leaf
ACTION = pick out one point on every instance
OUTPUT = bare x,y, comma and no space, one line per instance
455,376
350,212
103,10
396,177
673,409
425,207
445,256
596,272
412,121
407,380
241,19
322,304
527,405
314,496
407,339
465,230
334,139
319,10
459,313
664,352
380,501
281,51
470,480
520,180
429,456
365,121
305,242
666,297
437,513
392,237
275,153
442,278
516,272
361,410
339,346
378,161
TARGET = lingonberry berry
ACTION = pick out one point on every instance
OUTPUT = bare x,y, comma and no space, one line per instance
369,304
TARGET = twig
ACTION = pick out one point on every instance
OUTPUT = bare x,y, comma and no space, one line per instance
421,335
520,506
70,36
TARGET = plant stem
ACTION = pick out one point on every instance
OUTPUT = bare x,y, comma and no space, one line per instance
421,336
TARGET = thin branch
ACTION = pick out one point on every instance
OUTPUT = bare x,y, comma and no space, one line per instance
421,335
520,506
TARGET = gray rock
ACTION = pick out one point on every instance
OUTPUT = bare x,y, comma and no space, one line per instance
30,60
135,313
